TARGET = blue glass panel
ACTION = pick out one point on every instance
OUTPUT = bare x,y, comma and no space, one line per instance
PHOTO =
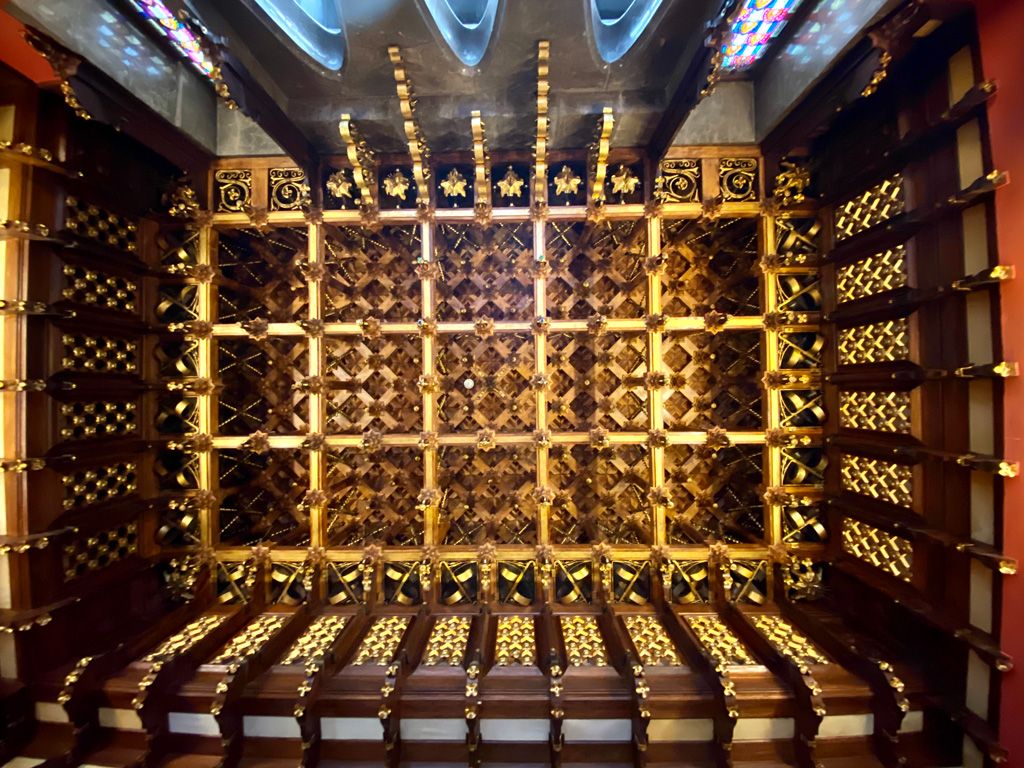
617,24
466,25
313,25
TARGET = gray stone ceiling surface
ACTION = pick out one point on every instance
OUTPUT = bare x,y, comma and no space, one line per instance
638,86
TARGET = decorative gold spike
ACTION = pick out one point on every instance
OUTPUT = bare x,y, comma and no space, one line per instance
417,146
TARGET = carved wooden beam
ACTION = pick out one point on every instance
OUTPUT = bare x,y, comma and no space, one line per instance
88,90
702,74
903,226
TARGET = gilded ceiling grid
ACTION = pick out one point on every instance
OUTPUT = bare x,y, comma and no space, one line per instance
319,443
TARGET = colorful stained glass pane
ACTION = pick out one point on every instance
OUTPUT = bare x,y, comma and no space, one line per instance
160,16
756,25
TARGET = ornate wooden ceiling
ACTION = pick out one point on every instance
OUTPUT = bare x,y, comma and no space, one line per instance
575,459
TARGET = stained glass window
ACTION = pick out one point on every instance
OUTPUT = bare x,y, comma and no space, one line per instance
756,25
160,16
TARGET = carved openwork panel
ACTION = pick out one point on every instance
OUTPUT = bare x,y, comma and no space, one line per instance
713,380
887,552
597,381
485,382
488,494
879,411
371,273
882,272
601,494
372,496
371,384
714,493
485,272
80,420
710,266
882,342
596,269
879,479
874,206
265,267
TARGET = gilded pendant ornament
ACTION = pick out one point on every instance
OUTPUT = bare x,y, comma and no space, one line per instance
624,181
567,182
454,184
510,184
339,186
396,184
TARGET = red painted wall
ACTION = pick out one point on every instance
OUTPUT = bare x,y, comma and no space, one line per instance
1000,26
19,55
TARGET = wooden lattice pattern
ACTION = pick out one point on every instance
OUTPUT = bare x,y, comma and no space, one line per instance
264,268
879,479
874,206
601,494
882,342
371,274
373,496
887,552
596,269
878,411
653,645
710,266
405,393
485,272
714,494
485,383
713,381
876,274
373,384
488,494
